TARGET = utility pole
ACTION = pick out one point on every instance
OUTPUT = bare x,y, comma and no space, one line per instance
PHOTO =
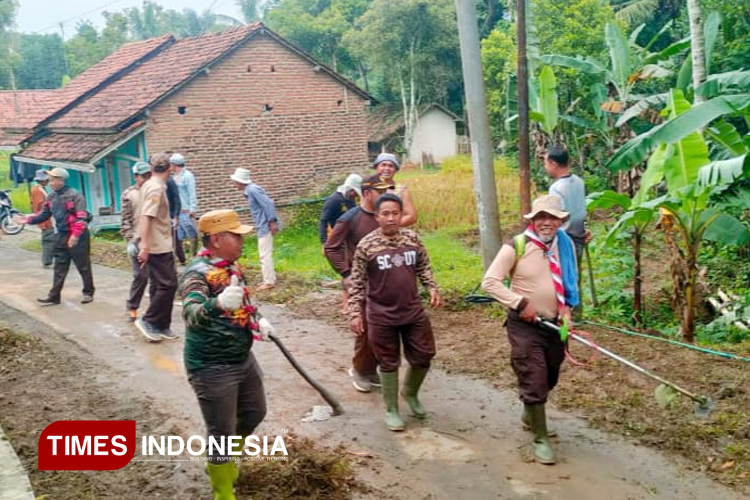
524,169
479,132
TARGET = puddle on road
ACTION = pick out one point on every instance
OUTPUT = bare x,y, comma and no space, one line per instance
426,444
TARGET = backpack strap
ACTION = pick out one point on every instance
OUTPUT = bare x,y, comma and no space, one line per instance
519,245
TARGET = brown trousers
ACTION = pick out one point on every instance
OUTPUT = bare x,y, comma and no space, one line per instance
364,361
162,277
536,356
418,340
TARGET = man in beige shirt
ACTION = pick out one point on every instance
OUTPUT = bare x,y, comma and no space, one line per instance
155,252
541,265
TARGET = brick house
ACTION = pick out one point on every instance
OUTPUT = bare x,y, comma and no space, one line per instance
240,98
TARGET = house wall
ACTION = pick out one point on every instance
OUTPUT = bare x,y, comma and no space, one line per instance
435,137
313,134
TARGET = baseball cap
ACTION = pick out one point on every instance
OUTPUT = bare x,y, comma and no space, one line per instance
59,172
375,182
177,159
40,175
141,168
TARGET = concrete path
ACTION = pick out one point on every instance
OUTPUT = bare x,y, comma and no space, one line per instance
14,482
470,447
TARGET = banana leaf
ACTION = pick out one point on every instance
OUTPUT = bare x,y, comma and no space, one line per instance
548,99
725,135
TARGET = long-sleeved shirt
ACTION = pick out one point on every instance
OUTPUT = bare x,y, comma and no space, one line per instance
262,208
531,280
384,274
333,208
347,233
186,187
68,209
38,199
130,202
572,191
213,335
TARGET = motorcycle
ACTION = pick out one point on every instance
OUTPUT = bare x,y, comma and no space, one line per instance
7,214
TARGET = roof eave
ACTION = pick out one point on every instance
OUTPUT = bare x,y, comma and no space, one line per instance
72,165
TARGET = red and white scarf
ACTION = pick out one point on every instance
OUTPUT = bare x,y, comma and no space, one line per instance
554,265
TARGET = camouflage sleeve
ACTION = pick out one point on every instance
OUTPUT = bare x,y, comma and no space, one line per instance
197,305
424,269
358,282
127,226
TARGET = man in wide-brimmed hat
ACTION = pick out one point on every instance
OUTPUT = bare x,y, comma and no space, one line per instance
263,212
541,264
220,324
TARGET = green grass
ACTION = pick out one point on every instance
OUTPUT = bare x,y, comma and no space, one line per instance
20,195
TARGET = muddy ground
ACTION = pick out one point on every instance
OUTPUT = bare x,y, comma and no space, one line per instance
605,393
87,362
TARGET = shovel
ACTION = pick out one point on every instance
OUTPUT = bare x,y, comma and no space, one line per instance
704,403
333,402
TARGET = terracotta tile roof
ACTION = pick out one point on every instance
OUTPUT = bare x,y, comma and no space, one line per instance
25,110
80,148
135,91
116,61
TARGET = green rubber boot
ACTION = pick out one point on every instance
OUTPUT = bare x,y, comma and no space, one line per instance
526,423
410,390
389,382
543,452
223,476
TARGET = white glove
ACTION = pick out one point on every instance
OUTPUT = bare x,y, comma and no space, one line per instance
265,329
231,297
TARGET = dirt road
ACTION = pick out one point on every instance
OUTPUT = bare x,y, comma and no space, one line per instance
471,447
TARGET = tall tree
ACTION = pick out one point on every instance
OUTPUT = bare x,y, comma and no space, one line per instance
8,10
42,64
413,44
697,46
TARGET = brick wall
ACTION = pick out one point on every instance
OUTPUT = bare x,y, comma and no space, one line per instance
314,133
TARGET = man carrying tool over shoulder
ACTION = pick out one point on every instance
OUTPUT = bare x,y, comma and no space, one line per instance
220,323
541,263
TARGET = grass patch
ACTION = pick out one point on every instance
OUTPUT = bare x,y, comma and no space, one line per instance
18,195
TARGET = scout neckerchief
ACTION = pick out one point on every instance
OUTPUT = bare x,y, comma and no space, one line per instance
246,315
554,265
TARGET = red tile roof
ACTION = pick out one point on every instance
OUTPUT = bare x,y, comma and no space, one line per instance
135,91
24,110
80,148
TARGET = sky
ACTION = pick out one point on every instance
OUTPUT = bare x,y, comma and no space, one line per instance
44,16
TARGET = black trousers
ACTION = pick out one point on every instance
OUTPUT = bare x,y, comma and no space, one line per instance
80,254
232,399
162,277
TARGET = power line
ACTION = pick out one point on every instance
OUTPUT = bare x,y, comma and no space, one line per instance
59,23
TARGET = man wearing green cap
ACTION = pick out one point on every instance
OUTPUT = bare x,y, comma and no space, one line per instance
73,243
131,203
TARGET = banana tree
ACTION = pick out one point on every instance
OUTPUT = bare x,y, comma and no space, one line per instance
687,216
633,223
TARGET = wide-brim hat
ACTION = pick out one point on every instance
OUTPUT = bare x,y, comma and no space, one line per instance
549,204
41,175
222,221
241,175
